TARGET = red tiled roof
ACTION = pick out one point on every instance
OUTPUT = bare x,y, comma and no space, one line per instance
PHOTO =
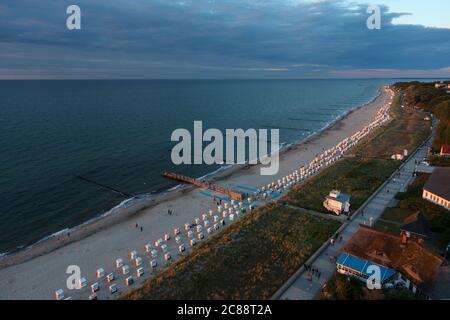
445,149
417,223
416,262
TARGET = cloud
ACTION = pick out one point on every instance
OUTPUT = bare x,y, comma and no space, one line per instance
210,38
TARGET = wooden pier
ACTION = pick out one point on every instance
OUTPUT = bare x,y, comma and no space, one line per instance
235,195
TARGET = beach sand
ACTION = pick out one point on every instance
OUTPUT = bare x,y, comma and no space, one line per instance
37,272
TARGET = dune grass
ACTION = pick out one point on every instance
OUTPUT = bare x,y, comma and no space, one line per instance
357,177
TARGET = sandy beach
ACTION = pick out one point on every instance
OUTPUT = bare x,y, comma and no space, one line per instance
37,272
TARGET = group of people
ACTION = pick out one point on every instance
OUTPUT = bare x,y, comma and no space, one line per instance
312,272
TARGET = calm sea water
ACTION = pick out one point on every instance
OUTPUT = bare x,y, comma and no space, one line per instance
118,133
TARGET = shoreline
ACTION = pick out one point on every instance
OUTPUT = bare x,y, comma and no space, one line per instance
139,203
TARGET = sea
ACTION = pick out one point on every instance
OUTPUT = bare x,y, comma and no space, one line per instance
117,133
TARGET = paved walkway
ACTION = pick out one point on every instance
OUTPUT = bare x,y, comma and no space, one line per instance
302,288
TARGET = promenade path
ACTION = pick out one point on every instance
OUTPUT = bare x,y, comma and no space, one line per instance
299,287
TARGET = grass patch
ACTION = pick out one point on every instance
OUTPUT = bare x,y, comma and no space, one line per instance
250,259
357,177
439,161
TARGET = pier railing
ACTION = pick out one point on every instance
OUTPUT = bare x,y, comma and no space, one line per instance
235,195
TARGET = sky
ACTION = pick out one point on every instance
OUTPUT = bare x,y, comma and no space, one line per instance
176,39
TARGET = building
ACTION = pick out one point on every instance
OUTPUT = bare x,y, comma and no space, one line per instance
337,202
416,227
437,187
358,268
445,150
441,85
403,262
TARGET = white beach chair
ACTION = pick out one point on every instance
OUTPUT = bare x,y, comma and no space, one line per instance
140,272
125,270
133,255
100,273
95,287
113,288
138,261
110,277
83,282
119,263
59,294
129,281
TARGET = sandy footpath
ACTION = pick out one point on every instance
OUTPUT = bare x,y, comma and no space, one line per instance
37,273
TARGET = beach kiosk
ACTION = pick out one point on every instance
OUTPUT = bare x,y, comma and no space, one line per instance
59,294
337,202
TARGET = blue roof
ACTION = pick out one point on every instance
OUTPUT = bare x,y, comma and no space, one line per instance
361,266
